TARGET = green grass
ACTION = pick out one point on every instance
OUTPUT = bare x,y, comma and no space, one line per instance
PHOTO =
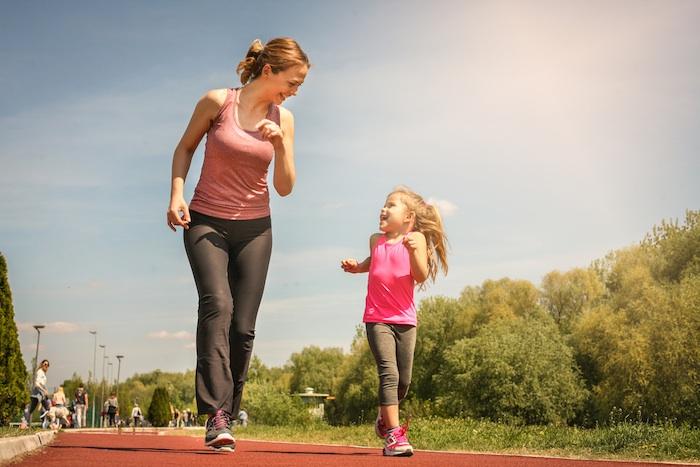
634,441
7,432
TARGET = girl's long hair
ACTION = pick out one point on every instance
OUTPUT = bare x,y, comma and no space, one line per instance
429,223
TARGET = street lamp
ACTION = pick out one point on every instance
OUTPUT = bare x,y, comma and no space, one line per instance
119,369
102,400
109,378
38,328
94,364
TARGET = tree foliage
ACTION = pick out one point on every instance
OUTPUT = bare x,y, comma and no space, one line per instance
13,373
317,368
159,410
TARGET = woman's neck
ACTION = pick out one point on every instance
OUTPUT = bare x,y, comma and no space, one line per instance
251,98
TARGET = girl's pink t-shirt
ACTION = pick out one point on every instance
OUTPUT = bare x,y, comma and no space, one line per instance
233,182
390,285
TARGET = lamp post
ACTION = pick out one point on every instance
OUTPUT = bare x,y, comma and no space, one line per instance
38,328
102,399
119,369
109,378
94,364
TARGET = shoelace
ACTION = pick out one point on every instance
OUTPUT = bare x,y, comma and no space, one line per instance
219,420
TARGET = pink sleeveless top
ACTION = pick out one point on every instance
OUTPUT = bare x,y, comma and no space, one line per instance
233,182
390,285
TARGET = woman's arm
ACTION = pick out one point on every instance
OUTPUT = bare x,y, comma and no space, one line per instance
282,139
204,113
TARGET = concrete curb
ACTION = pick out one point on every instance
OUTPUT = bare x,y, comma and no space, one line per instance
15,446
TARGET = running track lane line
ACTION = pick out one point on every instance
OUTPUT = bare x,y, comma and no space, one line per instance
107,450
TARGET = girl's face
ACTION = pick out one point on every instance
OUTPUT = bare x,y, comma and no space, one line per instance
395,215
284,84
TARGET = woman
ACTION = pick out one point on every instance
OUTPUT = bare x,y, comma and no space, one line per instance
227,227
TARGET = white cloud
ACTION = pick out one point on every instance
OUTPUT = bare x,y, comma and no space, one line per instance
447,208
179,335
191,345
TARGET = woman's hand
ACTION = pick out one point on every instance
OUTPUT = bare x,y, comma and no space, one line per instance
177,206
350,265
270,131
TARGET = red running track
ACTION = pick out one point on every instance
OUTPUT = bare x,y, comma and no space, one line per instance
104,450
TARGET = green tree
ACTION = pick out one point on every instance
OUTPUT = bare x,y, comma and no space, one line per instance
442,322
356,399
568,295
159,410
317,368
13,373
267,405
518,370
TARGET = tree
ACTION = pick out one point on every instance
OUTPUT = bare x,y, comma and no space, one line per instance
442,322
159,410
356,400
317,368
13,373
519,371
567,295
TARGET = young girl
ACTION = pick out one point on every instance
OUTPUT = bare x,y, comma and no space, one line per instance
408,252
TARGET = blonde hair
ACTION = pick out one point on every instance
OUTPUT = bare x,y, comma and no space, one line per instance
280,53
428,222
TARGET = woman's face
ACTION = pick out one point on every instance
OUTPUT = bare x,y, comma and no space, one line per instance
284,84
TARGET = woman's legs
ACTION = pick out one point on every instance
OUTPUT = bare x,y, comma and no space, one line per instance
229,261
207,251
247,274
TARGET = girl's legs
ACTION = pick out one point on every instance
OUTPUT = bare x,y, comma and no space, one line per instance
392,347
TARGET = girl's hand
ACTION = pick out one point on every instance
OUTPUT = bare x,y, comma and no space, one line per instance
177,206
270,131
349,265
410,242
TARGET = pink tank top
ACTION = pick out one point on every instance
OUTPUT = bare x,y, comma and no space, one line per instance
233,182
390,285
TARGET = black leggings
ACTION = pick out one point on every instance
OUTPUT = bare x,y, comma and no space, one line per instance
229,260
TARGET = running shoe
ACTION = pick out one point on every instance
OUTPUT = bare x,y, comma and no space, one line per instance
379,427
218,433
396,443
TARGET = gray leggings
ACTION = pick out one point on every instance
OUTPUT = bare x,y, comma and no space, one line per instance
229,260
392,346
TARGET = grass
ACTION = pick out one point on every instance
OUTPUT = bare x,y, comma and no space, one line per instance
632,441
8,432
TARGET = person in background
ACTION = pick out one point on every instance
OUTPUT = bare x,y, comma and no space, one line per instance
39,396
59,397
112,409
243,418
136,415
80,404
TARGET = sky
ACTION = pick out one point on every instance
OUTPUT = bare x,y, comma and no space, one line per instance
549,133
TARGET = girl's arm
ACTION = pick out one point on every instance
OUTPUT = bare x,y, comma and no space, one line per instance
351,264
282,139
418,254
204,113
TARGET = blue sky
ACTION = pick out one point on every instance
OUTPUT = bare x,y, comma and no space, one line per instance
551,132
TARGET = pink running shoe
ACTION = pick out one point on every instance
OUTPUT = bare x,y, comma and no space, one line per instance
396,443
379,427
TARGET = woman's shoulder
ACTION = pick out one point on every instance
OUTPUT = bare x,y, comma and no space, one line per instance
215,96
